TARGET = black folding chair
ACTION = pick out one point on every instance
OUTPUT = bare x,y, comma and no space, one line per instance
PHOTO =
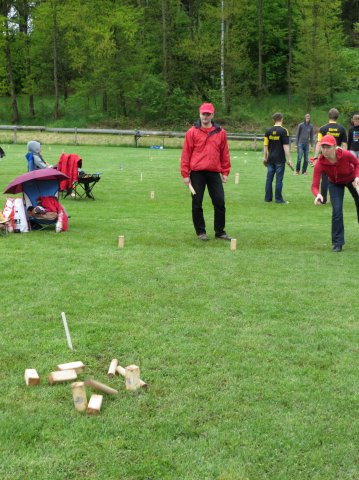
85,184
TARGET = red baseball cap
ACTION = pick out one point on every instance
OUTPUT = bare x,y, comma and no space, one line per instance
328,140
206,108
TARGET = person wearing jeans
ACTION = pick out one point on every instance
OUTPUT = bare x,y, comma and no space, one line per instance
277,170
276,154
205,161
338,132
303,137
342,169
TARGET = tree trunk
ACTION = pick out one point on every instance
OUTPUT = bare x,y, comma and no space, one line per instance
23,9
223,89
56,80
313,83
290,55
164,41
260,46
10,74
104,102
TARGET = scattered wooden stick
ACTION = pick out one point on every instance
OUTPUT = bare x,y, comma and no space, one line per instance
79,396
290,166
62,376
112,368
122,371
31,377
236,179
94,405
152,195
233,244
79,367
100,386
67,330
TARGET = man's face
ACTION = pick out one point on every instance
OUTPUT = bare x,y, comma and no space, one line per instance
206,118
328,150
307,118
356,121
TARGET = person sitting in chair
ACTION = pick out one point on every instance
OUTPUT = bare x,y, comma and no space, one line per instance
34,148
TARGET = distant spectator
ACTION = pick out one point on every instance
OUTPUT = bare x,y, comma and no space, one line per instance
35,148
303,138
353,136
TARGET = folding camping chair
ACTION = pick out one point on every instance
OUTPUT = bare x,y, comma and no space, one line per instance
85,184
43,189
79,184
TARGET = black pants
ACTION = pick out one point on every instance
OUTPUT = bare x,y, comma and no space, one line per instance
214,184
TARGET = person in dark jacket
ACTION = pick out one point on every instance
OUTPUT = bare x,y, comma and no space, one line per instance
353,136
342,169
303,138
205,161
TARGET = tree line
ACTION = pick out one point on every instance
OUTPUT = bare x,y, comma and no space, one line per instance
157,59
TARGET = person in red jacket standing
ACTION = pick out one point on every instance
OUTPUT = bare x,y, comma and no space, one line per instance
205,161
342,170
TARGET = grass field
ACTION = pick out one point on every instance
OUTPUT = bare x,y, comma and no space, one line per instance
251,356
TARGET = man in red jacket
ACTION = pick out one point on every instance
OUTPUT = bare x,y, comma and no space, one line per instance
342,170
205,161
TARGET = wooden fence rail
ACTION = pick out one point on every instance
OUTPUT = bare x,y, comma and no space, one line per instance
136,134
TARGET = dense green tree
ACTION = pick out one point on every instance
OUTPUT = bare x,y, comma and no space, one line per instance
154,60
318,59
9,36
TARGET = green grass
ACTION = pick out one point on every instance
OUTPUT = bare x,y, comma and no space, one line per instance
251,356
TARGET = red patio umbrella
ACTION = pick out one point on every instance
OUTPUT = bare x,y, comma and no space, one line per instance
16,186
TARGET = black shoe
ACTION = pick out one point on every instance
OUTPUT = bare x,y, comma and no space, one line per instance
203,236
337,248
224,237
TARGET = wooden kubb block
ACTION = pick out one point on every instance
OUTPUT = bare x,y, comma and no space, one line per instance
94,405
31,377
132,377
79,396
62,376
122,371
112,368
79,367
121,241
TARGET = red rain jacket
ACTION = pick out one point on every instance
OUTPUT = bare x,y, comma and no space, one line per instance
344,170
205,149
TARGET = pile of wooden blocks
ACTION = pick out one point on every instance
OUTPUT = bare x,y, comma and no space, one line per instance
68,372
